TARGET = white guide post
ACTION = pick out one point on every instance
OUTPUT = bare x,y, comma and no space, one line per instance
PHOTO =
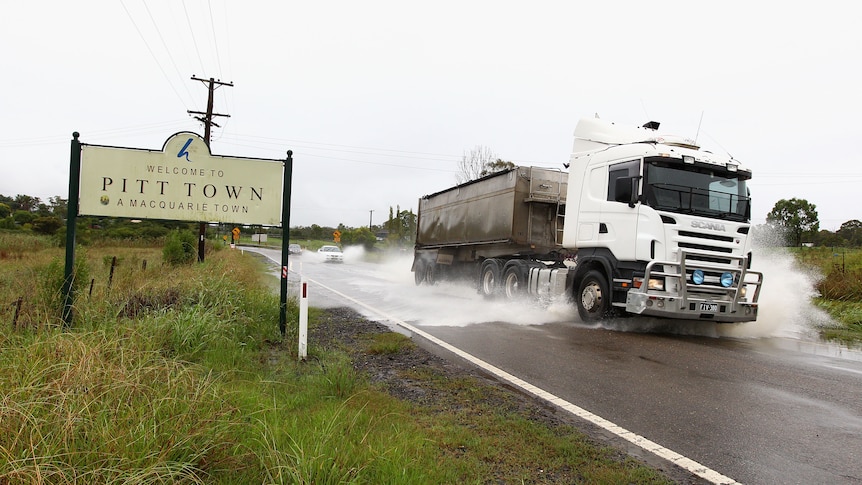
303,318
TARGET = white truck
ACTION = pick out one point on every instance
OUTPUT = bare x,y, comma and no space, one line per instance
642,223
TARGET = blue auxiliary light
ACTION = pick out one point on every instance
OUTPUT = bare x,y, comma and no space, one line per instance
697,277
726,280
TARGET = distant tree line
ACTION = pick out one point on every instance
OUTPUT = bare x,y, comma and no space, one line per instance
399,230
29,214
794,222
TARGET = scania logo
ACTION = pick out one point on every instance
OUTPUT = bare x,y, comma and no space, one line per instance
712,226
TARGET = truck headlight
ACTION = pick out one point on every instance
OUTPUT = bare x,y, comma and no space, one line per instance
653,284
697,277
726,280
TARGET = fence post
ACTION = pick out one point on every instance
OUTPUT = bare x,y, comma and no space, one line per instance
17,304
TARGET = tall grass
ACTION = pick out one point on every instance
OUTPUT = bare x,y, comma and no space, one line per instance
85,406
840,288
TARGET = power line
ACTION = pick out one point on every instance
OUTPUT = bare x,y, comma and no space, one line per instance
106,133
192,33
229,73
174,89
215,37
167,50
396,152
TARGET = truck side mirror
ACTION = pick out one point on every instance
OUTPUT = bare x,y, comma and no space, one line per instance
626,190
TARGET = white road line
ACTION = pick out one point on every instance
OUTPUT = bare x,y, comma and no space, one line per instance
686,463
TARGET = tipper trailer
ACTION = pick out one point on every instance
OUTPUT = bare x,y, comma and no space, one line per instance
642,223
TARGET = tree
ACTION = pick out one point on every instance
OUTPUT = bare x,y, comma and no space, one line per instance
479,162
796,219
26,203
401,226
851,231
358,237
497,165
46,224
5,210
828,238
23,217
59,206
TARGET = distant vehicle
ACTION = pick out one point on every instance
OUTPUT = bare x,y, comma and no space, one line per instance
331,254
294,249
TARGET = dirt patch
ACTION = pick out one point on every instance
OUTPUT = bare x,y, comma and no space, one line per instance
345,329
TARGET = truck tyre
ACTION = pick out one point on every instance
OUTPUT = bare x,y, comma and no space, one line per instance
593,296
489,278
514,280
419,272
431,274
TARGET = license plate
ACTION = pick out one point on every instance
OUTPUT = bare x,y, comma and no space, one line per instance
709,307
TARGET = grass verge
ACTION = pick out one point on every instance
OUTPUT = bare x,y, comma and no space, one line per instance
179,374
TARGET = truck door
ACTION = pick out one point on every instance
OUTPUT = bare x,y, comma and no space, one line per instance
619,221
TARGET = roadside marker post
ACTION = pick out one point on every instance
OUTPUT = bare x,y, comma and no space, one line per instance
303,318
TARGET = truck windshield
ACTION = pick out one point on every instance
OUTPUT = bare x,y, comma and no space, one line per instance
672,186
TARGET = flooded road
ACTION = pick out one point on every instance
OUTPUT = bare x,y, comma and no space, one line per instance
758,403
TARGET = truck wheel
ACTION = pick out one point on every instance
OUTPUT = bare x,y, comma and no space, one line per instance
514,281
489,278
593,296
419,272
431,274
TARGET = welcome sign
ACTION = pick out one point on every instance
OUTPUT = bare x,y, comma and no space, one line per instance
183,182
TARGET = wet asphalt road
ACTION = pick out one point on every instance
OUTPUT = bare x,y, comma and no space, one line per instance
758,410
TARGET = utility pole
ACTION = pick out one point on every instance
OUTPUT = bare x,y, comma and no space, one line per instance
370,213
207,120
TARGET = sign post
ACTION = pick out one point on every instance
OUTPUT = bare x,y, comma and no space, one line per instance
285,240
71,221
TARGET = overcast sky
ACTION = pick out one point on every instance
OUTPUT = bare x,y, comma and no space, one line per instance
379,100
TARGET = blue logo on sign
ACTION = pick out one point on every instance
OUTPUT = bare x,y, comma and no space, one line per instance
184,150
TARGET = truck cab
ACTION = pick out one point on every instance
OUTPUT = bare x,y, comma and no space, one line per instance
660,227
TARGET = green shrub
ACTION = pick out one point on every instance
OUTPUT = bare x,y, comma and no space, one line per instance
179,247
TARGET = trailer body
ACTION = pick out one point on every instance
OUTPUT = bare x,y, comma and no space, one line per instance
513,212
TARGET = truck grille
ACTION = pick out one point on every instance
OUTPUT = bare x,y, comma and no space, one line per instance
705,242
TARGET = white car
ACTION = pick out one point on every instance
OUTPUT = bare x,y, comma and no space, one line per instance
331,254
